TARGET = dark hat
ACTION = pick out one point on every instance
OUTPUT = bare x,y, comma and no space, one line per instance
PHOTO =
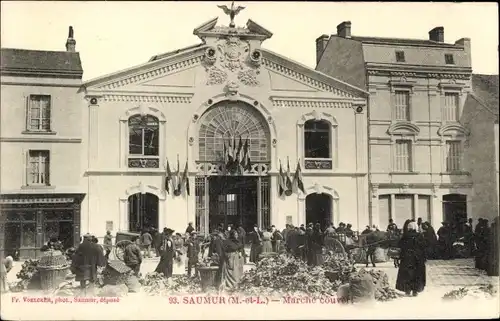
169,231
87,236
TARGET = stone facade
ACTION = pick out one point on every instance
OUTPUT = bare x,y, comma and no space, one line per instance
417,144
41,143
180,89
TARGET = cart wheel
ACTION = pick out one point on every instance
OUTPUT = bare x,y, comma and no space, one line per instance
120,249
338,248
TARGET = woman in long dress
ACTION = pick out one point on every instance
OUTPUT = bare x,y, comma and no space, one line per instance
256,240
411,274
165,266
267,245
231,261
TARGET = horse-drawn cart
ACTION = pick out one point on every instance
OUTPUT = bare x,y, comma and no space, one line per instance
122,240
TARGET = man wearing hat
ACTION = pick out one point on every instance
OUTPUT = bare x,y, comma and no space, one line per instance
193,250
132,255
85,261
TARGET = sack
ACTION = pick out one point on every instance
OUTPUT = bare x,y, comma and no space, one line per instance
379,255
133,284
359,255
361,288
393,252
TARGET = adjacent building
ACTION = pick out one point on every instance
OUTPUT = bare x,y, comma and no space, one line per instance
480,117
189,108
419,139
40,148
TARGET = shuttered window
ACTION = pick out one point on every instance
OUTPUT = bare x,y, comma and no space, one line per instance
453,156
384,210
424,207
449,111
402,105
403,208
403,156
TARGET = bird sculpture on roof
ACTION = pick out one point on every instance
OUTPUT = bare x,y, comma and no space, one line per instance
231,12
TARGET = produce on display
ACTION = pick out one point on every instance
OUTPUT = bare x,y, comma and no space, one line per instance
382,289
209,261
286,275
456,294
156,284
481,292
29,277
362,287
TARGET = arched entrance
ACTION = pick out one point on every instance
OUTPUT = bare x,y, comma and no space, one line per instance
142,212
455,211
234,149
319,209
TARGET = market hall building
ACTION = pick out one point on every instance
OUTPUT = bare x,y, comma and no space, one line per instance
190,108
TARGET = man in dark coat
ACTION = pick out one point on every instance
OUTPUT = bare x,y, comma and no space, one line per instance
193,249
445,241
411,274
132,256
85,261
315,246
190,228
166,264
242,240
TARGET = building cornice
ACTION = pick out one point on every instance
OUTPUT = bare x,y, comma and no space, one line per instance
309,102
40,73
155,98
40,139
418,71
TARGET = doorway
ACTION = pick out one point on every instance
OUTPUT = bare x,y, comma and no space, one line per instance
232,200
142,212
319,209
455,211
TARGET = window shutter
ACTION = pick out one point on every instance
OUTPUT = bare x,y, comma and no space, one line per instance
28,113
27,168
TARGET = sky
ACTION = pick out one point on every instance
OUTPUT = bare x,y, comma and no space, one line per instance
115,35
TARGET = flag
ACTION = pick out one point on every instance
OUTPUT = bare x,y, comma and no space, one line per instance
297,179
168,178
238,158
281,181
178,179
224,169
288,179
185,179
247,164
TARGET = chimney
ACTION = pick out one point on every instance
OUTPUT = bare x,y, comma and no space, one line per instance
321,43
344,29
70,43
437,34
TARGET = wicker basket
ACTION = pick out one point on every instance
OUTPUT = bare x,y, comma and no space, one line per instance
53,269
208,275
51,277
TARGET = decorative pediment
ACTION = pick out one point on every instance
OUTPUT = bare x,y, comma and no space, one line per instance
174,71
143,189
143,110
403,128
316,115
453,130
322,189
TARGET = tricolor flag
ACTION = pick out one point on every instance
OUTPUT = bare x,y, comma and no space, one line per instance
298,183
281,181
238,159
247,163
168,178
185,179
178,179
289,184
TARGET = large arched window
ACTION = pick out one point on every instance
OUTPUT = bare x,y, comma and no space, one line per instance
317,139
143,145
225,123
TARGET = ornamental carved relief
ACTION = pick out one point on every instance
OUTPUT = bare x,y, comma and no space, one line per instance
231,61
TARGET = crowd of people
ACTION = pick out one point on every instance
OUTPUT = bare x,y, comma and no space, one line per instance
417,242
